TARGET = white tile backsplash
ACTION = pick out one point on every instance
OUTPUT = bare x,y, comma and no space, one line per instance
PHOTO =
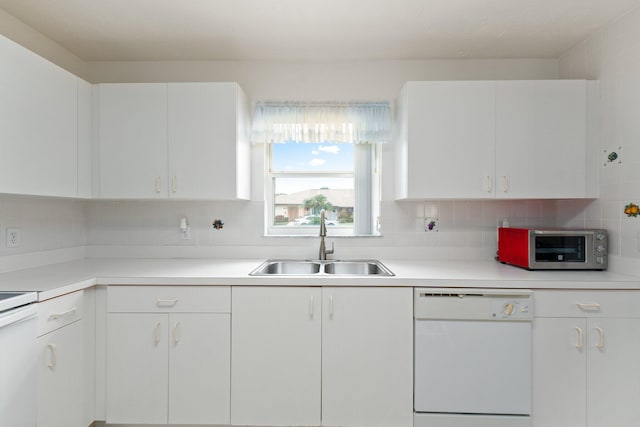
612,56
45,223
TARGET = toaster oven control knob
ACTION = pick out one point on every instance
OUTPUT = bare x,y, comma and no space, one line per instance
600,236
600,248
599,260
508,308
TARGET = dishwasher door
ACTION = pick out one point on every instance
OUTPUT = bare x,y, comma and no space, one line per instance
18,364
473,367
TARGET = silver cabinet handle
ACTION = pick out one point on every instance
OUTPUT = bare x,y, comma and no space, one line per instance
166,302
311,307
56,316
580,344
156,339
54,356
176,333
174,184
600,345
588,306
158,184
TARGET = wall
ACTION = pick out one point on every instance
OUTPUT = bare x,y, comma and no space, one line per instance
56,229
466,229
612,56
19,32
52,230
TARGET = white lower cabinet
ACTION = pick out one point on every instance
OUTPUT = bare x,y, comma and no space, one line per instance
586,372
276,356
330,356
137,360
170,361
61,384
367,357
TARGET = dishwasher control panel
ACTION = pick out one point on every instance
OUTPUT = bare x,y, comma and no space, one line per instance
473,304
511,308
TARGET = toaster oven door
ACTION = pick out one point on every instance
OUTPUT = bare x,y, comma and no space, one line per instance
560,248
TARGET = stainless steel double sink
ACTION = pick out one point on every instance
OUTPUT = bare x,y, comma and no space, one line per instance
290,267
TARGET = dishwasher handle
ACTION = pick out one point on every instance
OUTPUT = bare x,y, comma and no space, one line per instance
18,315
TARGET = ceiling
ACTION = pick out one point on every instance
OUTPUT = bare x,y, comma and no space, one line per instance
147,30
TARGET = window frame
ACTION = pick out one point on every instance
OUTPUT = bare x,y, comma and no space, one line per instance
371,210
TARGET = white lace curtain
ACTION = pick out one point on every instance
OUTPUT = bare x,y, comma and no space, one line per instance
358,123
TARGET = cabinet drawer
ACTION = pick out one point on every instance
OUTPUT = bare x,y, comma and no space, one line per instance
587,303
167,299
58,312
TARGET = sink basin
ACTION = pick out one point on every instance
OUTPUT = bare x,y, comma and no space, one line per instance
357,268
284,267
274,267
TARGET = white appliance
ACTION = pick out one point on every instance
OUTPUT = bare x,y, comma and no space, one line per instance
472,358
18,358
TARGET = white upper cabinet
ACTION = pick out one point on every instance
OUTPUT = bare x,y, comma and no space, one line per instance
133,140
505,139
177,140
208,141
85,133
541,135
447,138
38,124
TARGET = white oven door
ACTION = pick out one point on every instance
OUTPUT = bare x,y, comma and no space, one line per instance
473,367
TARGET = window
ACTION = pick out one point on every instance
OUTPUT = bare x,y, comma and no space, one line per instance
321,157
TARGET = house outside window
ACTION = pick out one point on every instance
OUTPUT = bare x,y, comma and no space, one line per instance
322,157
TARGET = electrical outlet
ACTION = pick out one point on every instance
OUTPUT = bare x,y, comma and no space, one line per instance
13,237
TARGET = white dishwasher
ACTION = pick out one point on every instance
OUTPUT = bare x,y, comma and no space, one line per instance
18,356
472,355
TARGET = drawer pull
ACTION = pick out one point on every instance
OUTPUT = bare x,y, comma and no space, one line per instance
588,306
56,316
54,356
166,302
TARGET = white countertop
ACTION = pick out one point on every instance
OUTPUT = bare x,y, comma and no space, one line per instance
58,279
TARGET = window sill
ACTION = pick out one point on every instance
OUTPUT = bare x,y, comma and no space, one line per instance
315,236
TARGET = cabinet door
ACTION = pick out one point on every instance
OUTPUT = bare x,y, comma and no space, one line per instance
137,360
541,139
203,140
133,140
275,350
85,148
38,124
559,372
61,377
613,376
451,139
199,368
367,357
